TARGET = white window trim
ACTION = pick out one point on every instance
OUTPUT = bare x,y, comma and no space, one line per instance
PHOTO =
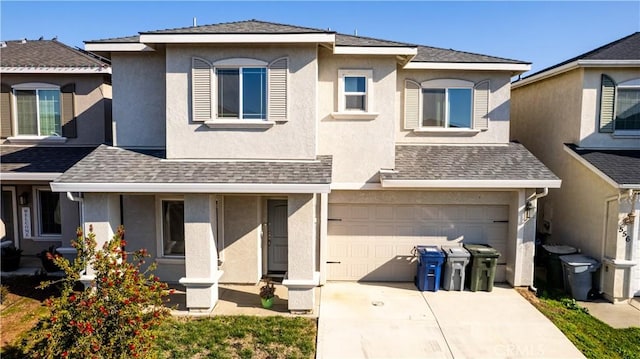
37,234
445,84
15,214
27,139
630,84
160,256
343,113
230,122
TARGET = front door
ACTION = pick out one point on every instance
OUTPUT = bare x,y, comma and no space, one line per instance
277,236
9,224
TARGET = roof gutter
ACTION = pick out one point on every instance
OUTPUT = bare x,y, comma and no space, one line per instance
191,187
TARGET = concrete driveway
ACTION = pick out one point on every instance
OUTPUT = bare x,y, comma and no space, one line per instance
395,320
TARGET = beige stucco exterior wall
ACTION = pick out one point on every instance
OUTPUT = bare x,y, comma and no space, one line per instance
589,134
498,131
89,102
242,240
294,139
360,148
139,99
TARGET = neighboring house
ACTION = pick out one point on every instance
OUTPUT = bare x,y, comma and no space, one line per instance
582,119
252,149
54,110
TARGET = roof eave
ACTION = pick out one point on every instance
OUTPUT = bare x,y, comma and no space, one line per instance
117,47
375,50
470,184
191,187
30,176
571,66
516,68
593,168
54,70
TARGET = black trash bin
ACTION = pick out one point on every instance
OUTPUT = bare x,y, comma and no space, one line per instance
430,259
553,265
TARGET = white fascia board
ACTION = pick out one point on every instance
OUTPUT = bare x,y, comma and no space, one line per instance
374,50
121,46
467,66
471,183
593,168
608,63
29,176
191,187
573,65
235,38
55,70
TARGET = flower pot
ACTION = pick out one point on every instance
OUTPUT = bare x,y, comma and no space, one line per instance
267,303
11,263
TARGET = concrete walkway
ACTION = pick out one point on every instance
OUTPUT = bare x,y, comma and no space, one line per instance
394,320
619,315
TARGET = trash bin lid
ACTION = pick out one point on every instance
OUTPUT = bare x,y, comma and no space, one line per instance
430,251
482,250
579,260
455,252
559,249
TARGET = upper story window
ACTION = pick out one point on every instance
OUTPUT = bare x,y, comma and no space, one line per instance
37,109
620,106
239,90
446,104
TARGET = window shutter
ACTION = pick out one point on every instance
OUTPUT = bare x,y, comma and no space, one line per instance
411,105
68,114
481,105
201,87
5,111
278,72
607,102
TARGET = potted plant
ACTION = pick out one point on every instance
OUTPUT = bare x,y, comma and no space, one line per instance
11,258
267,293
46,256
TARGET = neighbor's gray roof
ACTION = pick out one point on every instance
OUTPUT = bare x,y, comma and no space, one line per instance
425,53
36,159
622,166
116,165
433,162
626,48
45,53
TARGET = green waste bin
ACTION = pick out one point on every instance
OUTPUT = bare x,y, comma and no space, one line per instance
553,264
481,271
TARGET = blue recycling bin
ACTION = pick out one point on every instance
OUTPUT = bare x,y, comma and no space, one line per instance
430,259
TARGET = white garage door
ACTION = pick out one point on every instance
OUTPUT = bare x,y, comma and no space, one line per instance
374,242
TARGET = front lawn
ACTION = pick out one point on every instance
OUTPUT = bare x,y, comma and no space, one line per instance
592,337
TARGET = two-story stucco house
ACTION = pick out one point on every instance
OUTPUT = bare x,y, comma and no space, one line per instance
582,119
250,148
55,108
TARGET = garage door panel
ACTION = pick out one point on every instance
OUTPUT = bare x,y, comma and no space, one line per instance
374,242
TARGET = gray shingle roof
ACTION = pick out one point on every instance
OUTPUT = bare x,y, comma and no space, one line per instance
26,159
622,166
425,53
435,54
626,48
116,165
45,53
433,162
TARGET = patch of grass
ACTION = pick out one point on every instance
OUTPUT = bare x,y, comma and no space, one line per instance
591,336
238,337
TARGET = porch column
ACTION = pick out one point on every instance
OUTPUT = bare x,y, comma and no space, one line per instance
301,277
201,259
521,243
102,212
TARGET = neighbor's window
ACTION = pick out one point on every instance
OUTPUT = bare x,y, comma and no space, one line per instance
242,93
48,212
172,227
447,107
628,106
37,109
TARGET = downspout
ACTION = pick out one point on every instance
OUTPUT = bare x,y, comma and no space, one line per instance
535,197
79,199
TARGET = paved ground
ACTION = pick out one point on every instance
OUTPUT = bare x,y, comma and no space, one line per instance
394,320
619,315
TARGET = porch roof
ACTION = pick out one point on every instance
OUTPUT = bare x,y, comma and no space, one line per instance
620,167
112,169
470,166
41,163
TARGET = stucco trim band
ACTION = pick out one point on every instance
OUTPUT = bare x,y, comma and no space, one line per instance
471,183
191,187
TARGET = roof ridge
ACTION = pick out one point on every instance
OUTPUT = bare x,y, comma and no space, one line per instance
81,53
237,22
377,39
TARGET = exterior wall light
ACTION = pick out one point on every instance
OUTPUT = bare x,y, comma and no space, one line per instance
23,199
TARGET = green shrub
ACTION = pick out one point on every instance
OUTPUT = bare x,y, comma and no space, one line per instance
114,318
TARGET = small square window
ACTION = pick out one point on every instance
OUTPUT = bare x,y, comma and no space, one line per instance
354,91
